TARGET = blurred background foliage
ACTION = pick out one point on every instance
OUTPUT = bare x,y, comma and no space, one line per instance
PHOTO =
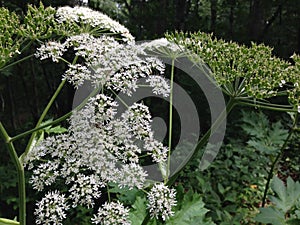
26,87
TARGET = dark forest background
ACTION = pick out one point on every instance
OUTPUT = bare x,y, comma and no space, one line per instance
273,22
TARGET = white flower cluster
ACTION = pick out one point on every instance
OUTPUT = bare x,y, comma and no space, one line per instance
51,49
93,18
163,47
106,62
99,148
113,213
51,210
161,200
85,189
160,85
156,150
76,74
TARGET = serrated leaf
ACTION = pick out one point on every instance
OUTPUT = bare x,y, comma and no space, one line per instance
286,199
192,211
287,196
278,187
270,216
138,211
293,189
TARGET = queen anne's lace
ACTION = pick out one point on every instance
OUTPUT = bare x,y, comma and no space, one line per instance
51,49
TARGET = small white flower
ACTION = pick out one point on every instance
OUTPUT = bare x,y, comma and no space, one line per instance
93,18
156,150
85,189
161,200
159,84
298,108
113,213
51,210
161,45
45,174
131,175
282,82
77,74
138,120
52,50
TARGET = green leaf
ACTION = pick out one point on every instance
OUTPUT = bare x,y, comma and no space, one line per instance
192,211
278,187
287,196
138,211
125,195
56,130
4,221
293,222
270,215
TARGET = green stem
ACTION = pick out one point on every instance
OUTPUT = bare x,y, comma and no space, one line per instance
58,120
20,171
120,99
24,134
108,194
33,135
230,105
264,103
260,106
170,121
16,62
279,155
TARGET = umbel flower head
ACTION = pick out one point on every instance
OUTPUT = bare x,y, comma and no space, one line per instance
95,19
107,63
99,148
245,72
161,200
102,146
113,213
51,210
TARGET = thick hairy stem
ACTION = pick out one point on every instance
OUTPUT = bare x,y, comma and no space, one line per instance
20,172
278,157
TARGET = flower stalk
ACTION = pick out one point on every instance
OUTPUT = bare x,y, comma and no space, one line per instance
21,176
